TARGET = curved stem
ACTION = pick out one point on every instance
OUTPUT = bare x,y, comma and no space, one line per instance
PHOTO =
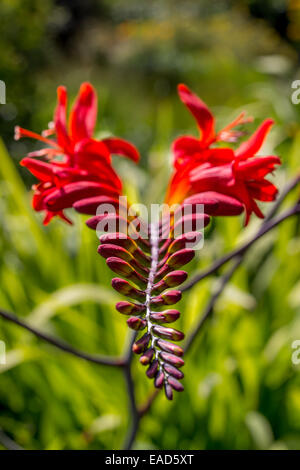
268,225
8,443
58,343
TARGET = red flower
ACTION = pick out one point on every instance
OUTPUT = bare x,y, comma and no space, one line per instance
201,168
75,165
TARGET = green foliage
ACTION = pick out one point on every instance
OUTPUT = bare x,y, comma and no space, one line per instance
242,390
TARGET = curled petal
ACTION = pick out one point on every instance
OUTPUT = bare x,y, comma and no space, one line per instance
122,147
60,120
200,111
252,145
83,114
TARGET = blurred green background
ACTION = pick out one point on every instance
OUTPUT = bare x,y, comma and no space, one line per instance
242,390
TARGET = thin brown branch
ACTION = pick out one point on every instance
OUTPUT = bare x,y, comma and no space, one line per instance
8,443
268,225
134,413
58,343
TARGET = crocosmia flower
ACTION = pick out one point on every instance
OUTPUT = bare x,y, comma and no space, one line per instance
73,166
199,166
76,171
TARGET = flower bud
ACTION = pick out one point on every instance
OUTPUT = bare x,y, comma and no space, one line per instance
109,250
168,316
170,347
124,241
90,205
168,333
123,268
146,358
182,241
173,371
171,297
136,323
175,384
226,205
125,288
159,379
162,272
180,258
129,308
152,369
173,360
190,223
168,391
118,223
140,345
168,298
175,278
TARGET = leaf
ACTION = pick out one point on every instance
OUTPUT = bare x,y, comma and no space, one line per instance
260,429
71,295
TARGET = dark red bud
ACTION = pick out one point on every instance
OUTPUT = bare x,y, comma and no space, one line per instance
170,347
159,379
108,250
172,296
180,258
90,205
109,223
173,371
136,323
175,384
168,298
125,288
174,360
129,308
191,223
183,240
162,272
168,333
124,241
123,268
226,205
152,369
168,391
175,278
140,345
168,316
146,358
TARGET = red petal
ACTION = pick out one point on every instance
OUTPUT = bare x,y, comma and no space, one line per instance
122,147
42,170
252,146
184,148
90,150
200,111
262,190
60,122
62,198
216,203
83,114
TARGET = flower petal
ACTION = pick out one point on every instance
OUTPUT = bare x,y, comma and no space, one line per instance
83,114
122,147
200,111
251,146
60,120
